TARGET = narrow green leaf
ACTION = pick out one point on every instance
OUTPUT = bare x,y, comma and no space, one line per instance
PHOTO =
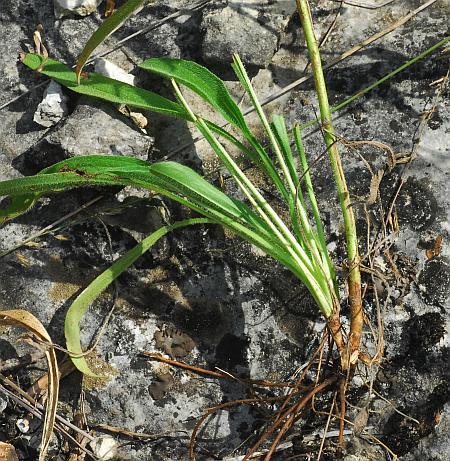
105,29
102,87
201,81
249,153
306,178
279,130
209,87
79,307
281,134
169,178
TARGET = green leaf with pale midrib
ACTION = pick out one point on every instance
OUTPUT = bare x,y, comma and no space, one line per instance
225,211
209,87
102,87
200,80
165,177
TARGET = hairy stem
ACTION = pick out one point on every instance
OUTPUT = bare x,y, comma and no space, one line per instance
354,279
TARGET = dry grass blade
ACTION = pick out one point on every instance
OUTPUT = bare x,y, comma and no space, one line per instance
24,319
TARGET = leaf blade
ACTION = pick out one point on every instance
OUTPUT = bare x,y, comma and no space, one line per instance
109,26
102,87
201,81
82,302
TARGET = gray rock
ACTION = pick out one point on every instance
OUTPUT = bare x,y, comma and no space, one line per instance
245,28
95,127
435,447
53,107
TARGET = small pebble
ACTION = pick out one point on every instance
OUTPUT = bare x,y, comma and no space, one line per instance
104,447
79,7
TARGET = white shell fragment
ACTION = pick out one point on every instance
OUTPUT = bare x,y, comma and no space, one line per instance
104,447
53,106
111,70
23,425
79,7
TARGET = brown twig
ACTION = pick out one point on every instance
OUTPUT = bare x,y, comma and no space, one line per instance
51,226
214,374
322,443
211,411
136,435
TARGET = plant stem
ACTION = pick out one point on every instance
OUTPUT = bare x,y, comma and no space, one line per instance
354,279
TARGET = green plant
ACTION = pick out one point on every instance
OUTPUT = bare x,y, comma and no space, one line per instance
297,244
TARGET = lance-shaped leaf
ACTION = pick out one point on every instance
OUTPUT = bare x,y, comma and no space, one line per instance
201,81
105,30
102,87
173,180
100,283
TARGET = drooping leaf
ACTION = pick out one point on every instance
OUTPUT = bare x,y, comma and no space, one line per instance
116,170
101,282
25,319
201,81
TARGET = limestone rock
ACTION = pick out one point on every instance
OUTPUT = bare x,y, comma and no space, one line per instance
53,106
95,127
243,28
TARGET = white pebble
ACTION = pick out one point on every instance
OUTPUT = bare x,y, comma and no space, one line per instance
111,70
79,7
53,106
104,447
23,425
